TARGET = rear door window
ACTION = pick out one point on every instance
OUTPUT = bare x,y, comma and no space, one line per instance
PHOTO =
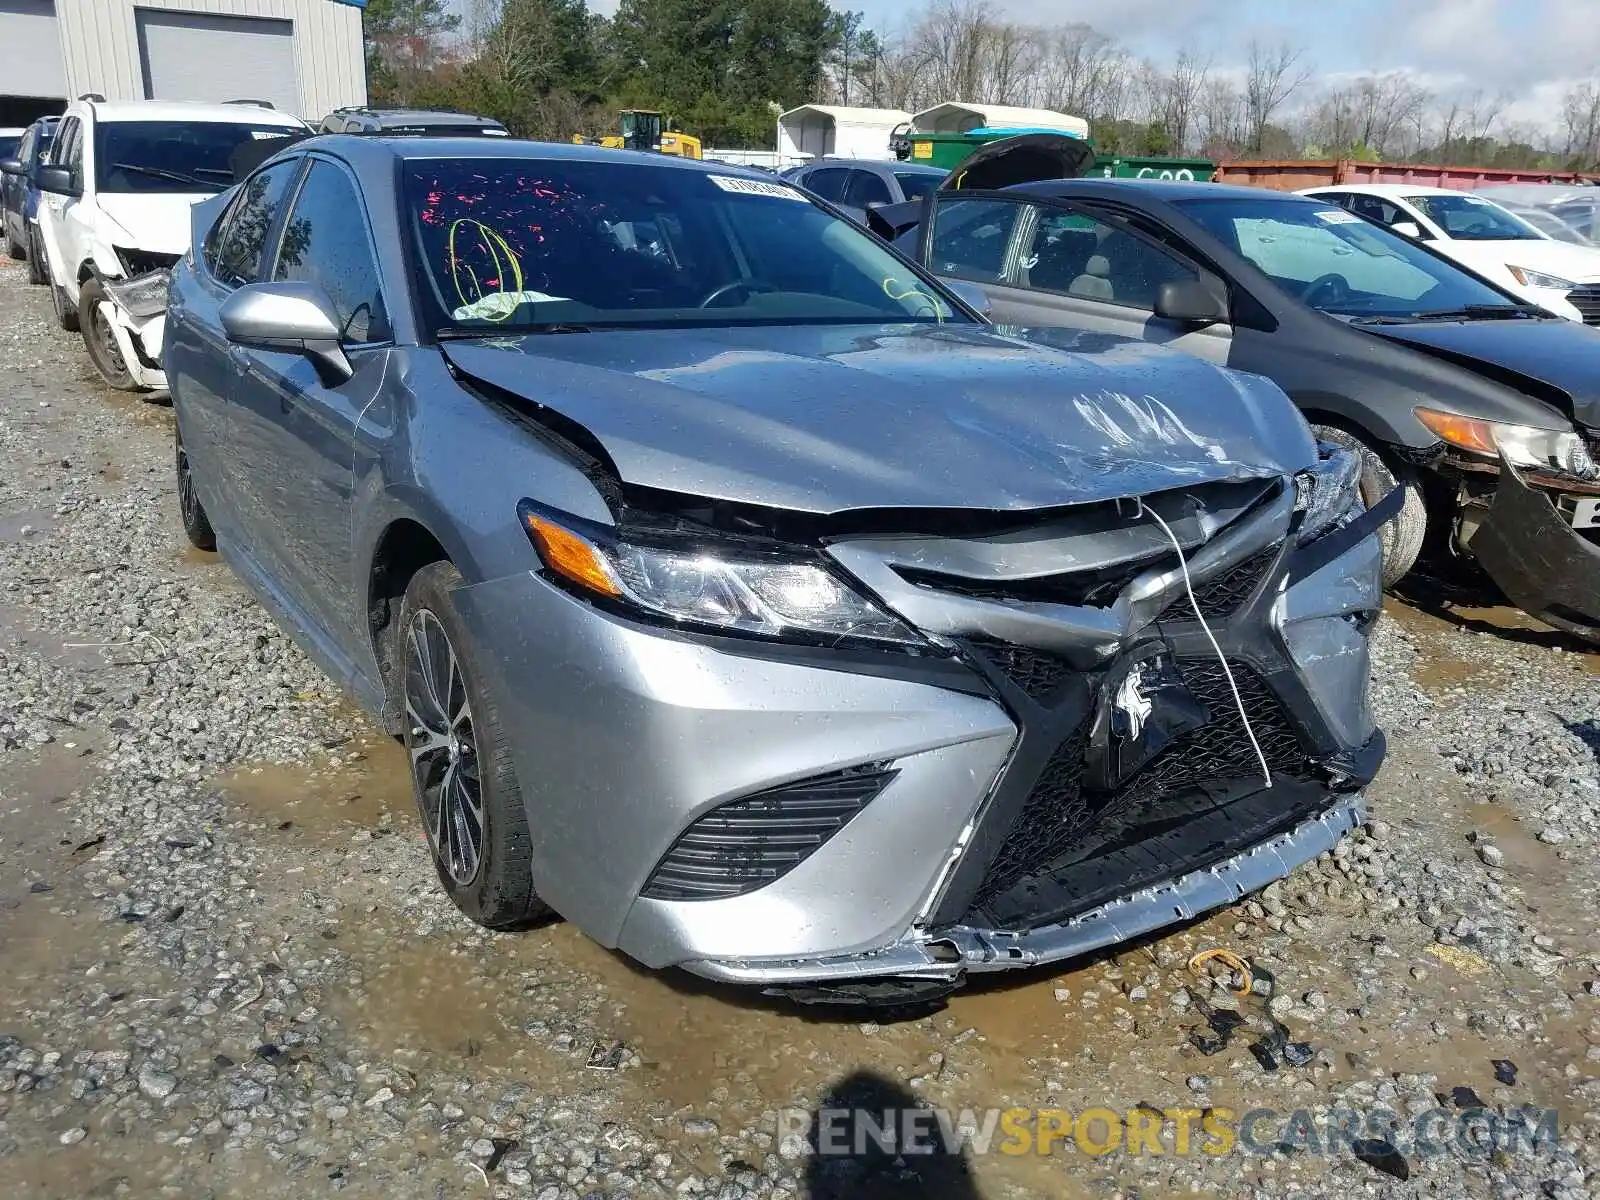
867,187
829,183
969,237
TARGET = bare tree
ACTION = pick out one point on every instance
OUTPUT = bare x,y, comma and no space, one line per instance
1222,119
1273,74
1180,93
1580,121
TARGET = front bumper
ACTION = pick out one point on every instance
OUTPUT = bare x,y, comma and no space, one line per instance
1537,559
625,736
139,339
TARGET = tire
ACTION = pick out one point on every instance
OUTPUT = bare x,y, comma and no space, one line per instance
196,525
1402,537
36,273
494,888
66,315
100,340
14,248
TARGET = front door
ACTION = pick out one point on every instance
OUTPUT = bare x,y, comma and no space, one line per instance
313,434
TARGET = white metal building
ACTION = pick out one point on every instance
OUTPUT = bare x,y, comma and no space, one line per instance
304,56
956,117
820,130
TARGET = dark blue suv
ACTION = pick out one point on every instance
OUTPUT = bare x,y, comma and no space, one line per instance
19,195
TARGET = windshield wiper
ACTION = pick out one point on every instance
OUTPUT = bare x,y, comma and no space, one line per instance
161,173
462,333
1480,312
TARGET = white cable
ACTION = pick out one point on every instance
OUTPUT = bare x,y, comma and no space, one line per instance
1183,564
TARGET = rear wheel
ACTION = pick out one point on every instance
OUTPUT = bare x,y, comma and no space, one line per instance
461,770
196,525
66,315
100,338
1401,539
14,248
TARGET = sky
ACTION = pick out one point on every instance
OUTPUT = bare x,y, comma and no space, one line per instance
1532,49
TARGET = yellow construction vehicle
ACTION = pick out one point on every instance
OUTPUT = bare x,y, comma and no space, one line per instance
642,129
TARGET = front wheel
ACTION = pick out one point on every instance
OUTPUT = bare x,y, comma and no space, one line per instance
461,770
100,338
1401,539
36,273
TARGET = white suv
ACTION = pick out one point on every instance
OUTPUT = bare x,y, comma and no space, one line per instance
114,214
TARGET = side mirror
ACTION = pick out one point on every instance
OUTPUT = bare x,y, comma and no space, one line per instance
1408,229
1190,302
971,295
57,181
10,166
291,316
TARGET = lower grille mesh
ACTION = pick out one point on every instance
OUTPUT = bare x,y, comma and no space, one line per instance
1059,812
1220,595
1037,672
747,843
1586,300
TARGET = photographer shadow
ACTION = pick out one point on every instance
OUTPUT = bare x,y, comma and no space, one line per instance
848,1163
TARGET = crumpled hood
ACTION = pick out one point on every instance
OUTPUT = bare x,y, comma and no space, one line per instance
153,221
1561,354
824,419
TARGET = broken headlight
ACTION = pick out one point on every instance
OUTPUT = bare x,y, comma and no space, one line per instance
770,597
1558,450
143,297
1329,493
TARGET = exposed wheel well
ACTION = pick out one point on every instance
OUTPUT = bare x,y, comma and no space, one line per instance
404,549
85,273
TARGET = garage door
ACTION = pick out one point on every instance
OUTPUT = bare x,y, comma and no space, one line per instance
30,49
198,56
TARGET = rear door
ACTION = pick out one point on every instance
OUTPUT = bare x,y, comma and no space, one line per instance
66,152
304,434
1049,263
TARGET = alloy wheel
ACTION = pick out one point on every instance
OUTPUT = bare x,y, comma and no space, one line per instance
443,748
188,503
106,342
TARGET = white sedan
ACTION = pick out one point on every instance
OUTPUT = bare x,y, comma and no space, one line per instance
1486,238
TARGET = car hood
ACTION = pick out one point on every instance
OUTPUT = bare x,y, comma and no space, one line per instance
824,419
153,221
1562,259
1538,357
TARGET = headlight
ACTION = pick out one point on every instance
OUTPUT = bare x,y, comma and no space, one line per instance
143,297
731,592
1539,279
1559,450
1329,493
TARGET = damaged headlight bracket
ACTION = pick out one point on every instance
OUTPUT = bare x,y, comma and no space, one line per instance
1526,447
141,297
1329,494
733,590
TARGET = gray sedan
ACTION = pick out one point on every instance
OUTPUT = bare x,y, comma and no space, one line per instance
738,593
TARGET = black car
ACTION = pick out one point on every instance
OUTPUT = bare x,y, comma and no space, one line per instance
851,184
1483,409
414,122
19,196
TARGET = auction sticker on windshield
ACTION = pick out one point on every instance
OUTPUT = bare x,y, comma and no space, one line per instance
755,187
1337,216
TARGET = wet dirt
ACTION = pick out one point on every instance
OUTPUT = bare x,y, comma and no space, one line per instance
368,786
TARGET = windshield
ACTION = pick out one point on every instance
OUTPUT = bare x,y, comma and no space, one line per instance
917,184
9,144
1474,219
1338,263
171,156
503,242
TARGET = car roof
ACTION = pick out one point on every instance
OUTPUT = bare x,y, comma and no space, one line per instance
368,150
244,113
1156,189
887,164
416,116
13,131
1388,189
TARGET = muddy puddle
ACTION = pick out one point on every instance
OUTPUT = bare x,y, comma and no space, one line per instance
368,787
1454,661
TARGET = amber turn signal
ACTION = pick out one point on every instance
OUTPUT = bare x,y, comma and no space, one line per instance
569,556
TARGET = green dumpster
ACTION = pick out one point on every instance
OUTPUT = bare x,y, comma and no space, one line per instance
1132,167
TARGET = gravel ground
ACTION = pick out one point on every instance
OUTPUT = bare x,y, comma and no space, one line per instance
227,969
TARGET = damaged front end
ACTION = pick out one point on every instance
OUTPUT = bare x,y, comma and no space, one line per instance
135,311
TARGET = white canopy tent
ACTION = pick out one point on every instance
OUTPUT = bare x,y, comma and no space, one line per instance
823,130
956,117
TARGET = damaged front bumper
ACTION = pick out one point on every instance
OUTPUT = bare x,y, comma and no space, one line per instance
1531,549
1004,819
136,312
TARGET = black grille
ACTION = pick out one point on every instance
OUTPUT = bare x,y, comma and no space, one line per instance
1059,813
140,262
1098,587
747,843
1220,595
1036,672
1586,300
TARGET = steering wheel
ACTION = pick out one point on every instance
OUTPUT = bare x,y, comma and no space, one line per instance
1337,286
748,286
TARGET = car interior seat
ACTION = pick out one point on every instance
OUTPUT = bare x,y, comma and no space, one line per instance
1095,282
